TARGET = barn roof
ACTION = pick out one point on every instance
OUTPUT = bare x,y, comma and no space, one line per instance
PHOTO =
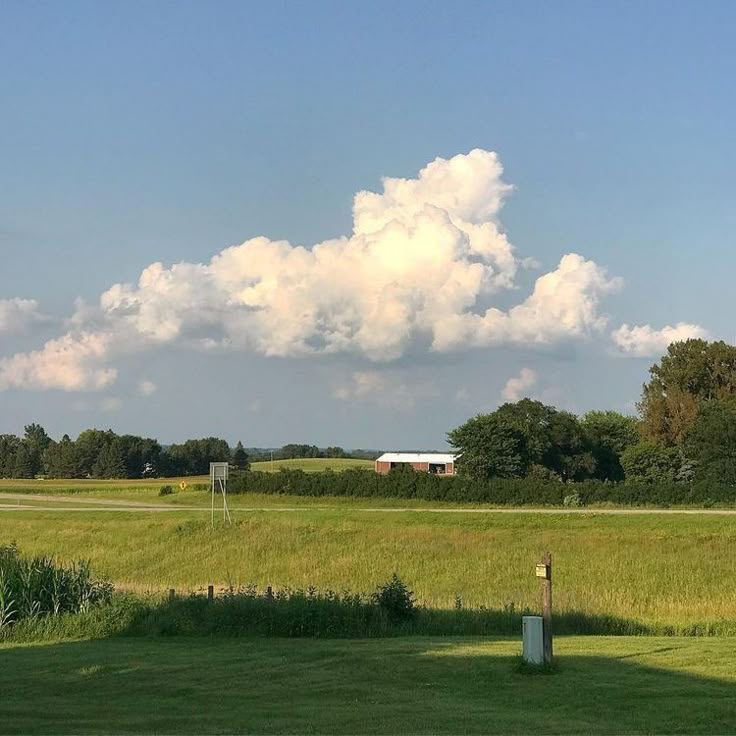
417,457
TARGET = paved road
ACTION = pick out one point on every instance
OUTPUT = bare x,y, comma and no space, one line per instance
111,505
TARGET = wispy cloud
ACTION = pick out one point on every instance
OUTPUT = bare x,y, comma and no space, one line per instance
111,404
147,388
377,388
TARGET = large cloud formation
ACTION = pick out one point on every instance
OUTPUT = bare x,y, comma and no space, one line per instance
419,271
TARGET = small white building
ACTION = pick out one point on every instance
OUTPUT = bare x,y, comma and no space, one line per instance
437,463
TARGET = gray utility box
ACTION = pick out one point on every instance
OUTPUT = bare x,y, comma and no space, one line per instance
532,628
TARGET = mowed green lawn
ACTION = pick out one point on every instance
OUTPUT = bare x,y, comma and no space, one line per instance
668,570
621,685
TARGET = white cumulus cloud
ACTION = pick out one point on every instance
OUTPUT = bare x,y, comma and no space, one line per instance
643,341
17,314
73,362
516,386
563,305
420,271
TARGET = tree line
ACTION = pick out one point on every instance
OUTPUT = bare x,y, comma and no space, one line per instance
104,454
100,453
685,431
293,451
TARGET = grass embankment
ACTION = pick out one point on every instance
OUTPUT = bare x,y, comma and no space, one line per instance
422,685
672,572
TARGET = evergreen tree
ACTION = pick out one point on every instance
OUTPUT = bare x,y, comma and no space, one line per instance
60,459
9,445
23,467
110,462
36,441
240,457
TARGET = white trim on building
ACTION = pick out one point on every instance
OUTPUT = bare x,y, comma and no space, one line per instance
439,458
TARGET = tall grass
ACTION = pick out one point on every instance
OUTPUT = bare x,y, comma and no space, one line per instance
661,571
329,614
38,587
249,612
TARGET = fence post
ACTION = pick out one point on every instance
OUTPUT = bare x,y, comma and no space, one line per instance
547,608
210,592
172,594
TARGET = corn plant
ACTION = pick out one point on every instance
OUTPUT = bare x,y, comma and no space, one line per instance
31,588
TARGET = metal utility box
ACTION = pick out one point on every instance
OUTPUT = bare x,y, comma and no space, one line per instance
533,639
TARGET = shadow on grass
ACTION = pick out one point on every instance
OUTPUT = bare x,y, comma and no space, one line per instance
296,614
407,685
313,615
302,616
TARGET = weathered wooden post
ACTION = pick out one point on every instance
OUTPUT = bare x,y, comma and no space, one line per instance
172,595
210,592
544,571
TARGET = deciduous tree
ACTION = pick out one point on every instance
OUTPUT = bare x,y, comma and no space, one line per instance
609,434
491,447
692,373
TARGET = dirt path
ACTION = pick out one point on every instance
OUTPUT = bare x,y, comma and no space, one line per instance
20,497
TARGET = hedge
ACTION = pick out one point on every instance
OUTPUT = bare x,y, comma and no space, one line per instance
502,492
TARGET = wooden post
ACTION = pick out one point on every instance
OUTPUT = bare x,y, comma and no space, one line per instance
172,594
269,593
547,608
210,592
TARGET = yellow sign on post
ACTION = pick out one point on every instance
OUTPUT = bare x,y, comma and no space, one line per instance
542,571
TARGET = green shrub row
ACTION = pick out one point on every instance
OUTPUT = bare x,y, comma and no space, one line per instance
503,492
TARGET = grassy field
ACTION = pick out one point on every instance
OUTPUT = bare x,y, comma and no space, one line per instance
309,465
313,464
671,570
74,486
620,685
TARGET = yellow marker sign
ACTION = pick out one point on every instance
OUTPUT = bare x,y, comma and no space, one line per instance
542,571
183,485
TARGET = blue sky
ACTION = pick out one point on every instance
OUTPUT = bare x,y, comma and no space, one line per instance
140,133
